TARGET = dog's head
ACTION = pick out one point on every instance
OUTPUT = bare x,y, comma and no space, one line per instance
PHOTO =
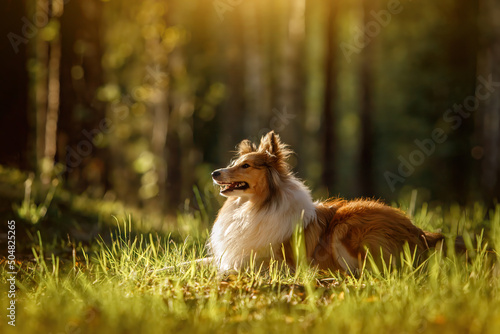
255,171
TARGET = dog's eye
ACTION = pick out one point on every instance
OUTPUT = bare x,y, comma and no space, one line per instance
245,166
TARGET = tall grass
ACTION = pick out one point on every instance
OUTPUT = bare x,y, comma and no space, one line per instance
118,288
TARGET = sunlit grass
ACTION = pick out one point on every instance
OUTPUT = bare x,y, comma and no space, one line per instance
118,287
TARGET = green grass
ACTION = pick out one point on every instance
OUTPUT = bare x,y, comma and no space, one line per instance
114,287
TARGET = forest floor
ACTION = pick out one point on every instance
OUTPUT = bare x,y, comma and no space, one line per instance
112,284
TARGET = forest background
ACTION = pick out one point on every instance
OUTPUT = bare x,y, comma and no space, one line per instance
138,101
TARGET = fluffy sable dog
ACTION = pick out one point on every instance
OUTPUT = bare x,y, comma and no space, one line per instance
265,202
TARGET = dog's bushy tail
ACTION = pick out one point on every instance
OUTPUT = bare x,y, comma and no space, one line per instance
436,240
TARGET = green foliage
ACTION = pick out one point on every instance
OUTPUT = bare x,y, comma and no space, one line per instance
29,210
119,287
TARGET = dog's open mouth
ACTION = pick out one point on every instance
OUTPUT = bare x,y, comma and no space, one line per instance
227,187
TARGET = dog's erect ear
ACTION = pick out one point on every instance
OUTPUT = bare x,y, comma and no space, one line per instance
270,143
246,146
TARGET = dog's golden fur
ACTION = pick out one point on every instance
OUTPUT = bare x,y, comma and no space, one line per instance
266,201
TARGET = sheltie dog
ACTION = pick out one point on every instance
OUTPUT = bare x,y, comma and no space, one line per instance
265,202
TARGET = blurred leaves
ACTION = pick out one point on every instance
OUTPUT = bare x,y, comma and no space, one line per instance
144,162
108,93
180,86
51,31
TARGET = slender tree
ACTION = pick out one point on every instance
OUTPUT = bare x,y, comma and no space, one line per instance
365,166
461,65
329,133
231,40
257,98
288,115
39,85
46,85
13,91
179,140
82,115
489,116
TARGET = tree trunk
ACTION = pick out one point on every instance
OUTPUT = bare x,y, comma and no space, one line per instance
179,139
257,99
462,50
46,86
40,84
329,133
53,94
365,166
489,116
13,90
158,80
288,116
82,115
234,106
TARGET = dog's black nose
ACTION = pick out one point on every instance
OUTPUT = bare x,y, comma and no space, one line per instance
215,173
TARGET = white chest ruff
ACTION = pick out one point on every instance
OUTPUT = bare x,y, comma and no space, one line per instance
243,230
